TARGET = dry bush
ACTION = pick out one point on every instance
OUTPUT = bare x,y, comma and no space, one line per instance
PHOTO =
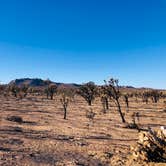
134,123
151,147
90,115
17,119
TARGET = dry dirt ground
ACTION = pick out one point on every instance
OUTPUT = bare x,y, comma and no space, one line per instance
44,138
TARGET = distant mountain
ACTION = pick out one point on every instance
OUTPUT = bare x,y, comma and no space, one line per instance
37,82
127,87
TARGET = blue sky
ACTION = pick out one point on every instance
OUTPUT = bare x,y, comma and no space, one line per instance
83,40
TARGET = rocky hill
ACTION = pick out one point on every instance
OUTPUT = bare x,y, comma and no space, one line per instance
37,82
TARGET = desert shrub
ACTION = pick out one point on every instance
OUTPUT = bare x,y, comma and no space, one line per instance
134,123
132,126
90,115
164,110
17,119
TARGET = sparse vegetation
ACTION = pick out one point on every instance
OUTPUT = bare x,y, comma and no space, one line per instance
37,123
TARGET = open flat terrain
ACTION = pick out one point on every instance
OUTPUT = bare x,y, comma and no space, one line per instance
44,138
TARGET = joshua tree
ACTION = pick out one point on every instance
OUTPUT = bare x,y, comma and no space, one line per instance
66,96
112,88
14,90
2,88
135,116
136,95
24,91
104,98
88,91
145,96
126,99
64,101
155,95
46,91
50,90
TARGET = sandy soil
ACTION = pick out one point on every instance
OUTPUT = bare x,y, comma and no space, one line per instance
44,138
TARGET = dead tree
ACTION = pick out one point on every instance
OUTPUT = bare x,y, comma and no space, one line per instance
88,91
113,91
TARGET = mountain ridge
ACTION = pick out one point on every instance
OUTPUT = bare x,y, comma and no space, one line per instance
38,82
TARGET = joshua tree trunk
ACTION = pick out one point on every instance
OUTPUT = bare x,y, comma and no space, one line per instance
47,95
51,95
89,102
106,103
155,99
120,112
127,103
65,112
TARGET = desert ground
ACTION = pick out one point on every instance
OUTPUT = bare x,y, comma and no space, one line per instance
44,138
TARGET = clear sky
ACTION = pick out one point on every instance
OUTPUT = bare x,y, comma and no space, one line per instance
84,40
